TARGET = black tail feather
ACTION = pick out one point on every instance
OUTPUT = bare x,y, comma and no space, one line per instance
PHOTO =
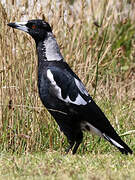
123,148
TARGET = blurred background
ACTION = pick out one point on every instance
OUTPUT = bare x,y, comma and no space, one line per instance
97,39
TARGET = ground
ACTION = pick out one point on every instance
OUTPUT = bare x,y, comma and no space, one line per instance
54,165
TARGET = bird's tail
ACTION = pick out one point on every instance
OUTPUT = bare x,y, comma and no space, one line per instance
123,148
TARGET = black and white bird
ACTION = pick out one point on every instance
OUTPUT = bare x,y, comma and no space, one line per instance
63,93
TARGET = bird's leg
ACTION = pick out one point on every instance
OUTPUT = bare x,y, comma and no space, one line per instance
79,139
70,146
76,147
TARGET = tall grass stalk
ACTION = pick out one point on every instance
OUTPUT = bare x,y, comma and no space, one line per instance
98,58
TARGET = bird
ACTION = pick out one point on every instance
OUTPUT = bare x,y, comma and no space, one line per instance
63,93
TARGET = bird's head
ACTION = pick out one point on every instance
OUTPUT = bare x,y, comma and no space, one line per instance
38,28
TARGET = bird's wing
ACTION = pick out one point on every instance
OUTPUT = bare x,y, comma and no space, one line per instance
67,87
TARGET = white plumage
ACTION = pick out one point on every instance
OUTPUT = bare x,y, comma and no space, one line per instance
79,100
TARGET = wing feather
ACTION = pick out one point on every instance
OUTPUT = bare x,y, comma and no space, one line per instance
66,87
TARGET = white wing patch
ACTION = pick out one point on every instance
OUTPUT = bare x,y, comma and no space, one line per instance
79,100
81,87
57,88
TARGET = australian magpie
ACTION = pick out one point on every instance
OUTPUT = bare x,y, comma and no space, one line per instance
63,93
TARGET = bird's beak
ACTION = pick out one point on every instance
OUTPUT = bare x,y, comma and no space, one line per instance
19,25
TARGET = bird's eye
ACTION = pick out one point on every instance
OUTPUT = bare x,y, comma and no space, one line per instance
33,27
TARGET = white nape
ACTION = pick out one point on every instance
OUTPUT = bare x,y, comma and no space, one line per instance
52,50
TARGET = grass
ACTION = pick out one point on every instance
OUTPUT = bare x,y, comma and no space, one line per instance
53,165
97,41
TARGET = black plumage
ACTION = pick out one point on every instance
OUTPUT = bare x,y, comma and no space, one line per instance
63,93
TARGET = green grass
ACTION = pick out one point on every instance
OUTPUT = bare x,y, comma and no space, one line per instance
54,165
97,41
